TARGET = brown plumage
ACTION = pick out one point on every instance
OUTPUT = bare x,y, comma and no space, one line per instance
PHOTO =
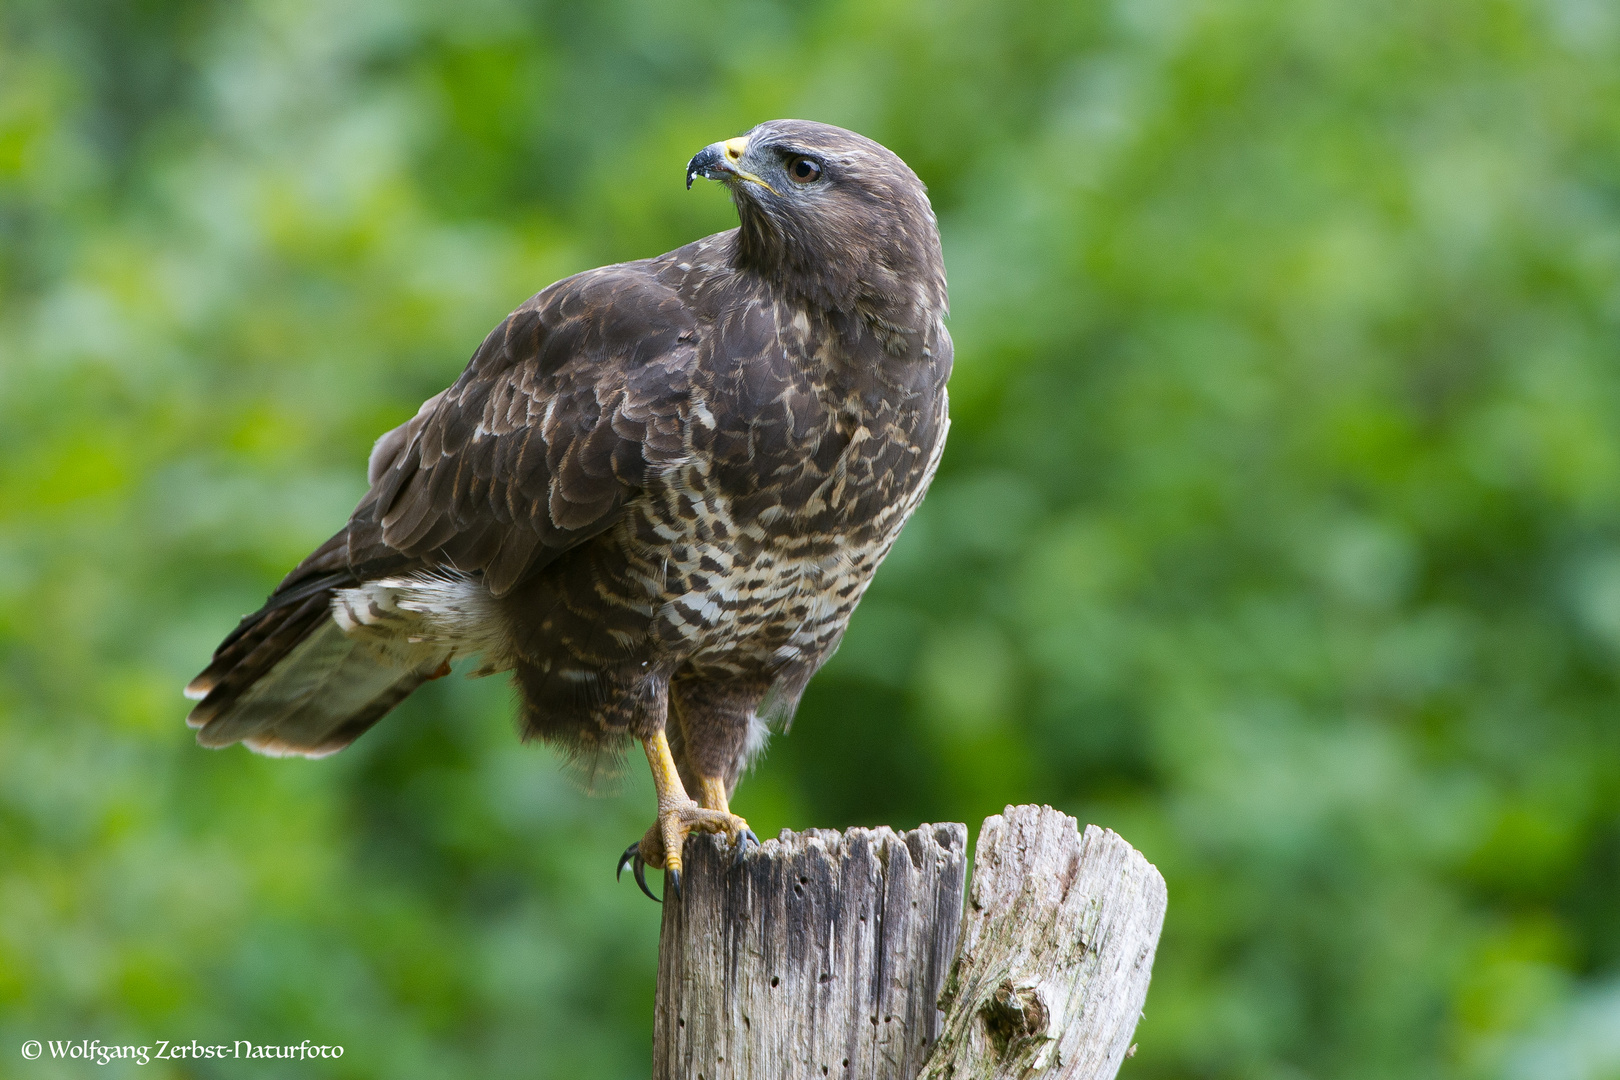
657,491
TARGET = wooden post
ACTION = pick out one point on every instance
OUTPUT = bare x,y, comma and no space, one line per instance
1056,954
824,955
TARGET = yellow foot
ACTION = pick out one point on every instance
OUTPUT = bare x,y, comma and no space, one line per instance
661,847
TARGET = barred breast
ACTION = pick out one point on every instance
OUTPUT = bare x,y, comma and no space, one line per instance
746,590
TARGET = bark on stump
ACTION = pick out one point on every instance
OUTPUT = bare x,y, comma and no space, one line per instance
824,954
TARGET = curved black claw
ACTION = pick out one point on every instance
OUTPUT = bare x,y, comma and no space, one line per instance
743,841
632,858
641,879
672,883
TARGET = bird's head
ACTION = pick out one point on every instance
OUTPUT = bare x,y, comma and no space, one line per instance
832,216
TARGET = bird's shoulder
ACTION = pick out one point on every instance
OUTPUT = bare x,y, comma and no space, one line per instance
565,411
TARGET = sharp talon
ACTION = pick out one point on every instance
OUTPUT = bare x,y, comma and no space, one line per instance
743,840
624,860
641,878
672,883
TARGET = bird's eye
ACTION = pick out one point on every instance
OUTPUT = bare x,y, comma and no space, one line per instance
803,171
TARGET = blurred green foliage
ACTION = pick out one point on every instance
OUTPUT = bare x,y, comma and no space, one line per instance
1279,529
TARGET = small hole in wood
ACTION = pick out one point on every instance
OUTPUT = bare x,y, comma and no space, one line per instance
680,1023
846,1063
804,881
824,1070
775,981
1012,1015
826,977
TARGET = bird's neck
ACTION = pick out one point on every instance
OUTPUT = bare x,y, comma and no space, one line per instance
894,293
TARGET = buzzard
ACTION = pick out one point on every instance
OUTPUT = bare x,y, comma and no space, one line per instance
655,495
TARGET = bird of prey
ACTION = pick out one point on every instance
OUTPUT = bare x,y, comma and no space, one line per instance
655,495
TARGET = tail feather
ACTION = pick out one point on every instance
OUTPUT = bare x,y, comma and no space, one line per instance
320,696
256,646
288,680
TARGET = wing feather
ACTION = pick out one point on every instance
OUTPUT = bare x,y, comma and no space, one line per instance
553,427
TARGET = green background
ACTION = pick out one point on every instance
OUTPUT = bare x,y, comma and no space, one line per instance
1278,530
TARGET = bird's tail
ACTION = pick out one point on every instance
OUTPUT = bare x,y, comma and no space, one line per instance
290,681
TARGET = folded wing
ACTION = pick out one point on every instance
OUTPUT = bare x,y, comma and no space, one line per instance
566,411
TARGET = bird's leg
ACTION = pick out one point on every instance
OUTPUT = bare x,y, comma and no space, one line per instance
712,796
678,815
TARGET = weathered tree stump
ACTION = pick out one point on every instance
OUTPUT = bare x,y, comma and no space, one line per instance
824,955
1056,954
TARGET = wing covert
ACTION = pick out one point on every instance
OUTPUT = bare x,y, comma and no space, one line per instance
565,412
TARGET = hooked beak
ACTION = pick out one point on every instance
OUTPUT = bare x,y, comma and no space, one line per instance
723,161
